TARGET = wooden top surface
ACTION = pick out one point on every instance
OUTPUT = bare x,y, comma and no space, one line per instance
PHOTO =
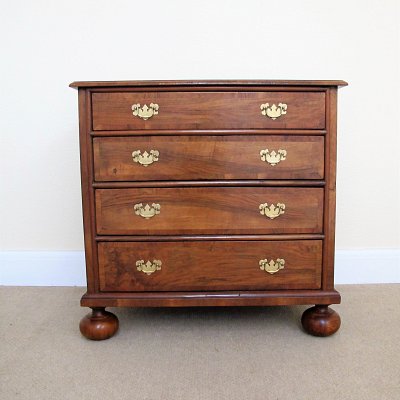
150,83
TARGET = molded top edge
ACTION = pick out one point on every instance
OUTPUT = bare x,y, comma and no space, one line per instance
151,83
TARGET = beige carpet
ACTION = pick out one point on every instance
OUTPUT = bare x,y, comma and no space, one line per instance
220,353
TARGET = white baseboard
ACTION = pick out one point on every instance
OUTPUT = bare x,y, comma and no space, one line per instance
367,266
42,268
67,268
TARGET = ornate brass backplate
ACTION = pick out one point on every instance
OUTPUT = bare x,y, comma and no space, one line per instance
146,158
147,211
271,211
148,267
272,266
273,157
273,111
145,112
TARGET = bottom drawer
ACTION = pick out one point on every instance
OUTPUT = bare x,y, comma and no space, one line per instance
210,265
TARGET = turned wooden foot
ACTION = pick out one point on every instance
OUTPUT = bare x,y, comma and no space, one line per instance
99,325
320,320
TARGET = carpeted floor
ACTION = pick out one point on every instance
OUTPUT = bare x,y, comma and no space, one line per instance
212,353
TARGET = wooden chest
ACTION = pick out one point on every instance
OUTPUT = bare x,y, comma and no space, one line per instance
208,193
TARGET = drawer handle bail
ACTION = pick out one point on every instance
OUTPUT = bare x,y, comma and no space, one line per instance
146,111
272,266
147,211
272,211
148,267
274,111
273,157
146,158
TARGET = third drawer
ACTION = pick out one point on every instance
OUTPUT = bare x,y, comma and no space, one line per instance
209,210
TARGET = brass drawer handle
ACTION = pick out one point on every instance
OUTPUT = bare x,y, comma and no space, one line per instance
273,157
145,112
147,211
272,266
148,267
146,158
274,111
272,211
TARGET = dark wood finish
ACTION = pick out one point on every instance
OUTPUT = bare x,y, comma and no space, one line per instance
99,325
320,321
228,265
210,299
225,183
208,88
208,198
208,158
330,191
87,191
208,132
171,238
202,83
208,110
208,211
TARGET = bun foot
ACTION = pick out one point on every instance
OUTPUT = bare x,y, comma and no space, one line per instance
99,325
320,320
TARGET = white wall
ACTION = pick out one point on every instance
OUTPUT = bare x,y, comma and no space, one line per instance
48,44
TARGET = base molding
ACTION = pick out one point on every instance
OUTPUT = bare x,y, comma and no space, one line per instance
67,268
210,299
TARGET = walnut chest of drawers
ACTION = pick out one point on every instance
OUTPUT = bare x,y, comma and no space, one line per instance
208,193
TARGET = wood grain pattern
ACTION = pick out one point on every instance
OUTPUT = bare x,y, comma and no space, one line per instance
210,234
208,110
330,191
209,211
208,132
99,325
191,238
202,83
208,158
230,265
87,191
213,183
210,299
320,321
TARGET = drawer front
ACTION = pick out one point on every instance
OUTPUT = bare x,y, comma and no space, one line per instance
208,157
222,265
208,110
209,210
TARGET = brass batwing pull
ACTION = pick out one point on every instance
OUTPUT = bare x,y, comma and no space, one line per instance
148,267
274,111
146,158
147,211
273,157
145,112
272,266
272,211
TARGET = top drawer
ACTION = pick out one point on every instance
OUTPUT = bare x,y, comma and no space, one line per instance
120,111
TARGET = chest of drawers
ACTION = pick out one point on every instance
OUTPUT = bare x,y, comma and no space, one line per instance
208,193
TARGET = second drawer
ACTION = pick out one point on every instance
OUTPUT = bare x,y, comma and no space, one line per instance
208,157
209,210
